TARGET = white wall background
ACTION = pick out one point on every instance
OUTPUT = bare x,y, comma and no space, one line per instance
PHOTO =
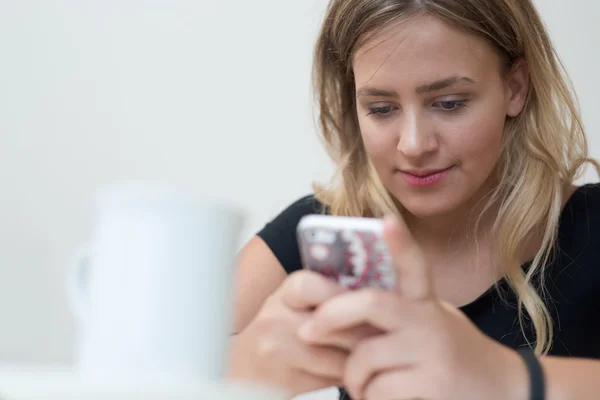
211,95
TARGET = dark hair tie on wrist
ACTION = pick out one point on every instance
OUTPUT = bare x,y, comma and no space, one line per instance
537,383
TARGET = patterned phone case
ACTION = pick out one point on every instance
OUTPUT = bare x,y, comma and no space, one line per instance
354,255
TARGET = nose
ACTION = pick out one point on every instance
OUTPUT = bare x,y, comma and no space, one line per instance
416,137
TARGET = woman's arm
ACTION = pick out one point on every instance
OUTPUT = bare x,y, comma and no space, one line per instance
571,378
565,378
258,275
426,340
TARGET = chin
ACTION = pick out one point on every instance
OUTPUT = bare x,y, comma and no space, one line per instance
436,204
452,197
422,210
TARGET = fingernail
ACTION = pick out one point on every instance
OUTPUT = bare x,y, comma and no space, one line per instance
306,331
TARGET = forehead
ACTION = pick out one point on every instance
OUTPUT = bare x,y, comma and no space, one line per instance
420,50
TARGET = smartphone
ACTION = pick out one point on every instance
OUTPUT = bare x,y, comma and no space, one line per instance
348,250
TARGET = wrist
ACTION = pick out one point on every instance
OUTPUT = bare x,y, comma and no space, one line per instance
241,365
563,379
234,370
242,370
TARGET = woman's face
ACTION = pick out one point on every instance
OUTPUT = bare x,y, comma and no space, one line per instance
431,103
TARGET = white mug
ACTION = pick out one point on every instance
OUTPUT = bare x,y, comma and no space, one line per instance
153,290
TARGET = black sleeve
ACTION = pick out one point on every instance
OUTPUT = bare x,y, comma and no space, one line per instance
280,233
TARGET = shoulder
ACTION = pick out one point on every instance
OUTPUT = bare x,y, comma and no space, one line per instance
303,206
577,265
582,212
571,287
590,196
280,233
579,230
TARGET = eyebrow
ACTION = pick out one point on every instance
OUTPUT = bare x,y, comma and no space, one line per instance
444,83
430,87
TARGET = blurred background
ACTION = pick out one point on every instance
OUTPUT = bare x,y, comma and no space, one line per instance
212,96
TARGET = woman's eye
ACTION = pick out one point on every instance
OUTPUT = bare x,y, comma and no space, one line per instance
451,105
380,110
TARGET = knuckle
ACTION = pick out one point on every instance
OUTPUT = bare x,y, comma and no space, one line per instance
269,320
364,350
297,283
268,348
380,387
302,286
302,280
294,284
375,299
273,301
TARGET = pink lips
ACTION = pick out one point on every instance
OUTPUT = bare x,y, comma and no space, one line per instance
424,177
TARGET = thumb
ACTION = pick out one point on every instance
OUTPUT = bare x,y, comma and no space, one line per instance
413,276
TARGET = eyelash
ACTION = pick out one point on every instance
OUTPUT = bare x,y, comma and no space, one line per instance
458,104
380,111
384,111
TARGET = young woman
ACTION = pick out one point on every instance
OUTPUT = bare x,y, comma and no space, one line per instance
454,121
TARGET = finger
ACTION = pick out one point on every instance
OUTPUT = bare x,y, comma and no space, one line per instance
285,353
372,356
325,362
413,276
382,310
347,339
304,290
398,384
304,383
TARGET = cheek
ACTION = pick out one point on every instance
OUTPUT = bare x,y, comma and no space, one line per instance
379,141
477,142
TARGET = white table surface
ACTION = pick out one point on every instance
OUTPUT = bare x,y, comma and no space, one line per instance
22,382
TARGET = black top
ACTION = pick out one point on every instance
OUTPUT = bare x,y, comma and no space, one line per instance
572,277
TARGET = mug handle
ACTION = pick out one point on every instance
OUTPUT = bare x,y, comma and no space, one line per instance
78,275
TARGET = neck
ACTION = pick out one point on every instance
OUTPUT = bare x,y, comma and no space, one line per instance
458,230
459,250
455,229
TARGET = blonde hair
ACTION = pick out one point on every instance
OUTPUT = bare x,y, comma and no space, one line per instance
544,148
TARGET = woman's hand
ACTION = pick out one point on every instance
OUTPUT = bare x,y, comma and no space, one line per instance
427,349
269,351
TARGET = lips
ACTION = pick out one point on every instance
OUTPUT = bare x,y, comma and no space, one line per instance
424,173
424,177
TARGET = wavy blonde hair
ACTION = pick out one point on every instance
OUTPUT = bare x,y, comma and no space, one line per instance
544,148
